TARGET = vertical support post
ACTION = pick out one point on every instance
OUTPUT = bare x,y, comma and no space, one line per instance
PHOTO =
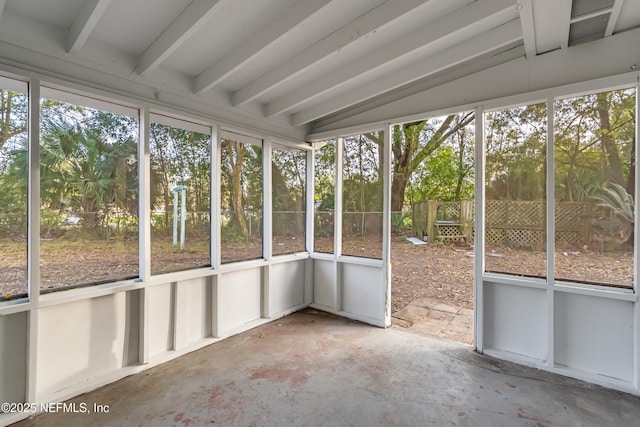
386,223
551,234
479,247
216,323
183,215
144,221
267,221
310,215
215,197
310,206
337,221
33,239
267,202
636,244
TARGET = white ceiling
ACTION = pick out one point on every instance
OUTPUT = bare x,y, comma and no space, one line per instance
296,62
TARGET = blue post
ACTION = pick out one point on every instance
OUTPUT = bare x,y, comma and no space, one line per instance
175,216
183,214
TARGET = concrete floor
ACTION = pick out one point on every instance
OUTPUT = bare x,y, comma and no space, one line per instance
313,369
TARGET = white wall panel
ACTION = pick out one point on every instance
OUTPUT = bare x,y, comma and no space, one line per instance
13,357
160,318
194,302
79,341
594,335
286,286
515,320
363,291
240,297
324,283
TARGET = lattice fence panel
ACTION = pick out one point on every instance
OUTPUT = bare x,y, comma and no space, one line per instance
495,212
495,236
526,214
449,210
570,214
569,237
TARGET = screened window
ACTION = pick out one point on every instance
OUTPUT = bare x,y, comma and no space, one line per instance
89,191
289,168
13,181
241,197
594,187
324,196
362,195
181,195
515,191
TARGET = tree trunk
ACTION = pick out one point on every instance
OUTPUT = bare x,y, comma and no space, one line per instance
608,143
236,188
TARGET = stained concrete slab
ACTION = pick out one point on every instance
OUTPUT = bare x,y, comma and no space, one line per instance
314,369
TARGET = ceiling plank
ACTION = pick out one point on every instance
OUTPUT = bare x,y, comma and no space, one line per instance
271,32
452,29
613,18
491,41
526,19
84,23
181,29
359,28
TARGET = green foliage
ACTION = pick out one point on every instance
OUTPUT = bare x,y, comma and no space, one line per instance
614,197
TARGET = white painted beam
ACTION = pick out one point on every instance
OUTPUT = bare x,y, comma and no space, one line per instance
565,11
613,18
493,40
452,29
271,32
84,23
190,20
516,81
357,29
528,31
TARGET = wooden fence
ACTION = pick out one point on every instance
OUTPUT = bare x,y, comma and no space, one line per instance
509,223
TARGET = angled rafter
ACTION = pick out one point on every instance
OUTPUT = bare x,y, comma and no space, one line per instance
184,26
613,18
300,11
491,41
387,12
448,31
565,11
84,23
526,19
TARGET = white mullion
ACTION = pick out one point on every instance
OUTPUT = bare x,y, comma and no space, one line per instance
338,201
311,207
267,202
144,176
386,223
636,245
267,222
337,218
33,238
216,197
551,233
479,238
144,226
310,215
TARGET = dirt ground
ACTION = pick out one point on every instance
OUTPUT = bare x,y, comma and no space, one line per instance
439,272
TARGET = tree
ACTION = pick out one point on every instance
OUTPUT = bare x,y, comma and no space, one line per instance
412,144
